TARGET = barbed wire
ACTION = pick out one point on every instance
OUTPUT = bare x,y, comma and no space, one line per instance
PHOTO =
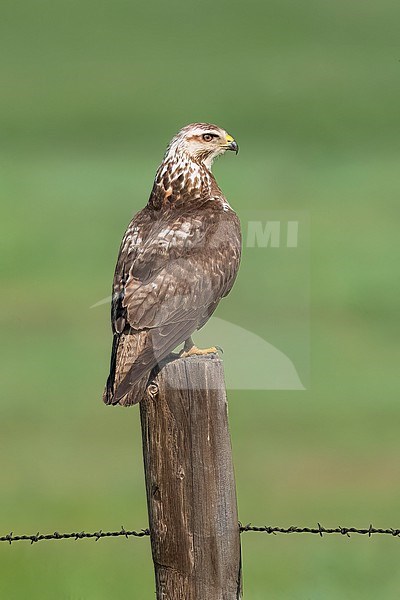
321,531
74,535
97,535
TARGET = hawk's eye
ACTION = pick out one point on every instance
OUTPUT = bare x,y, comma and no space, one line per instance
207,137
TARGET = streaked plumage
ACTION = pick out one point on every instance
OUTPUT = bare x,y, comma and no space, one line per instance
178,258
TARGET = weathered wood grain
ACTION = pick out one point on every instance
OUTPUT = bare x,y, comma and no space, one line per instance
190,482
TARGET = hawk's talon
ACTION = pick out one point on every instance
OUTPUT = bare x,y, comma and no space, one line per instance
194,351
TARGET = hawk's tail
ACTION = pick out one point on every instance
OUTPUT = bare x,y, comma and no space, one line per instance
135,354
126,348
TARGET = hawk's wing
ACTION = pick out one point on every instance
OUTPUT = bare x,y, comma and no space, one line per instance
172,270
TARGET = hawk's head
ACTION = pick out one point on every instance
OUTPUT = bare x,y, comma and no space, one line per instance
202,142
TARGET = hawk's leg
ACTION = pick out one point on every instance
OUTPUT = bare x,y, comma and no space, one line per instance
189,349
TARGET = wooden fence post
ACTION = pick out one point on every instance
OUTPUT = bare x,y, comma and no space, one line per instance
190,483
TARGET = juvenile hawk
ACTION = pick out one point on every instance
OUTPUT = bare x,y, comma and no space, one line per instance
178,258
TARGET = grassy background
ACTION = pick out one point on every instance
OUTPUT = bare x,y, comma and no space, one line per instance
90,94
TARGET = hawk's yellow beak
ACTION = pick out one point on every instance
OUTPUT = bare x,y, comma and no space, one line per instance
232,145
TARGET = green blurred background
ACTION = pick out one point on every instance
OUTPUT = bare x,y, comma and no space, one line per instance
91,92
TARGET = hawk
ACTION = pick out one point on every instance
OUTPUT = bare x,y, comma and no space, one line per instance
178,258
